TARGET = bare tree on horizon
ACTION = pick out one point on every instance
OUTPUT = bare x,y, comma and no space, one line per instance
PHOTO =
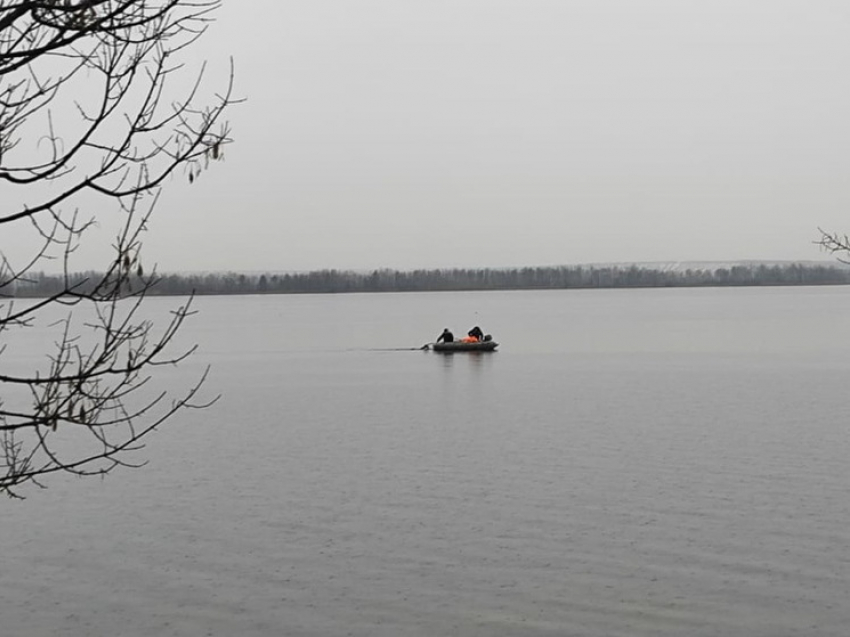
95,115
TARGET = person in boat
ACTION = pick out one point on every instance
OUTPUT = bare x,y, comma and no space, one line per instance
476,333
446,336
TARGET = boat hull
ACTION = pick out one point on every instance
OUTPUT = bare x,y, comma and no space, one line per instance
459,346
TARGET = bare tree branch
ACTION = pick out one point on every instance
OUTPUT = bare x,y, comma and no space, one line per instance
95,114
835,244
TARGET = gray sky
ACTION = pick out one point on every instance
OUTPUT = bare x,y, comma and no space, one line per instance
401,134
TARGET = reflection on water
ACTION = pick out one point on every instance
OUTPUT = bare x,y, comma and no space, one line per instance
447,359
471,360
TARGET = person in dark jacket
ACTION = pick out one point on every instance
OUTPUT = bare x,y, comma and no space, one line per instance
476,333
446,336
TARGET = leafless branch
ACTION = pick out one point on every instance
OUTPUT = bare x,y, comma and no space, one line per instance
95,114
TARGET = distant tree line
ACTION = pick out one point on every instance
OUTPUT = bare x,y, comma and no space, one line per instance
457,279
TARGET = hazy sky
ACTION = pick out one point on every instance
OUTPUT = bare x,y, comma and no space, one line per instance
402,134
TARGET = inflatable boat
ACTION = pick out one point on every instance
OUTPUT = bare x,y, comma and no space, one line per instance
461,346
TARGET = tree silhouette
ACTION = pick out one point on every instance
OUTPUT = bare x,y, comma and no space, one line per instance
836,244
95,114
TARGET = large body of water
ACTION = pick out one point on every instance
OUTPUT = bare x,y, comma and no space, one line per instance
629,463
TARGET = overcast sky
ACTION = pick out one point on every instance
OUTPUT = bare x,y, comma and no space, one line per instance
440,133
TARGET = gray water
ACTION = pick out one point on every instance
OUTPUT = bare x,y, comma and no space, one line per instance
630,462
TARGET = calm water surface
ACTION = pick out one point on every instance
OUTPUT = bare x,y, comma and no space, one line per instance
630,463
